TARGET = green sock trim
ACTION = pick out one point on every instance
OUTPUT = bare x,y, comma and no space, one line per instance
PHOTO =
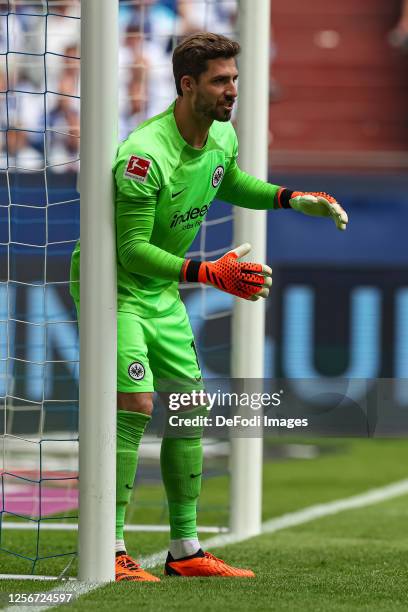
130,429
181,462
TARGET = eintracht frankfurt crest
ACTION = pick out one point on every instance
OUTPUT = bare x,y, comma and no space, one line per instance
136,370
217,176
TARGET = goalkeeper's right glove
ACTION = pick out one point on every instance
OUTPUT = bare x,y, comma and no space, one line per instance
250,281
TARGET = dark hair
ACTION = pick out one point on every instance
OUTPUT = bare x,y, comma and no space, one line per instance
191,55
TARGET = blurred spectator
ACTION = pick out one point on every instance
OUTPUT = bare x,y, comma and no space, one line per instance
133,102
10,30
145,76
217,17
64,147
398,37
22,115
63,122
173,19
69,75
63,36
133,76
17,152
63,25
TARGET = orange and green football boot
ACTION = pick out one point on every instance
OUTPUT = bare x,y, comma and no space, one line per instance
204,564
126,568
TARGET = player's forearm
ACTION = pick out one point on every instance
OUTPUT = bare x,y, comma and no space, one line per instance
242,189
148,260
134,224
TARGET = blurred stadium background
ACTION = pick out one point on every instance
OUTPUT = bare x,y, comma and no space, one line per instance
338,123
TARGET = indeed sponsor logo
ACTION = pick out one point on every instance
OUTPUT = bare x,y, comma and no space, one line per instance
190,215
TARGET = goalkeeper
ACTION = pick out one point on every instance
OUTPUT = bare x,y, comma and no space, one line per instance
167,173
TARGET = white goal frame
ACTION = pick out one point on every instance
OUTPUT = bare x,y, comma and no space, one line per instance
248,322
97,388
99,87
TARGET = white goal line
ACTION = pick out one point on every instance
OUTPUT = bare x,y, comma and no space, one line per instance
33,525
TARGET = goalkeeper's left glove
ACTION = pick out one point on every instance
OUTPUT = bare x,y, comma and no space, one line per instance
314,203
250,281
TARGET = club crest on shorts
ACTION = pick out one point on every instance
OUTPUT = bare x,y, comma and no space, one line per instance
136,370
217,176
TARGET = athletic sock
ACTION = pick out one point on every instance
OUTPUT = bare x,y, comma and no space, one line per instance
184,548
120,547
181,462
130,429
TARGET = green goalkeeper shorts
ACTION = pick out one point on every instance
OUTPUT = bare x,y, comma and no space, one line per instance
157,354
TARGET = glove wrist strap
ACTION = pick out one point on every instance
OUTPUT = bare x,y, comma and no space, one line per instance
189,271
283,197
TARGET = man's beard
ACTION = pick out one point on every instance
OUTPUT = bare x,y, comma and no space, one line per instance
209,111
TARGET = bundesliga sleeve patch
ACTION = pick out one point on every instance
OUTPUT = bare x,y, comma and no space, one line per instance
137,168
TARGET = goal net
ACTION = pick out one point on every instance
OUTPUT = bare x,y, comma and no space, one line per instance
39,76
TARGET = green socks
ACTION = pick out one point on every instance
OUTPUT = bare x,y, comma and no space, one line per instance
130,429
181,462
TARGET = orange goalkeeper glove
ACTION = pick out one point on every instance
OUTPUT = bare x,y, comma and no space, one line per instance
314,203
250,281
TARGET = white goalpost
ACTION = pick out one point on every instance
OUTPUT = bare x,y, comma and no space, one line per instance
97,388
248,323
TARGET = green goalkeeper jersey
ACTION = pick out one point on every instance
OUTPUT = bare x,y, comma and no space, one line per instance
164,188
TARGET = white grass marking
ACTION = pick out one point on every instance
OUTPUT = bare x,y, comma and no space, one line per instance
30,577
74,527
373,496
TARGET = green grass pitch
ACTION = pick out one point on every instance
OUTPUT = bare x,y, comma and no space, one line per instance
355,560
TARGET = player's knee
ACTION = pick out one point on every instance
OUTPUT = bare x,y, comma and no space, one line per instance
136,402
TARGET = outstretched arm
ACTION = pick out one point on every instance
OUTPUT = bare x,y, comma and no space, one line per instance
242,189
